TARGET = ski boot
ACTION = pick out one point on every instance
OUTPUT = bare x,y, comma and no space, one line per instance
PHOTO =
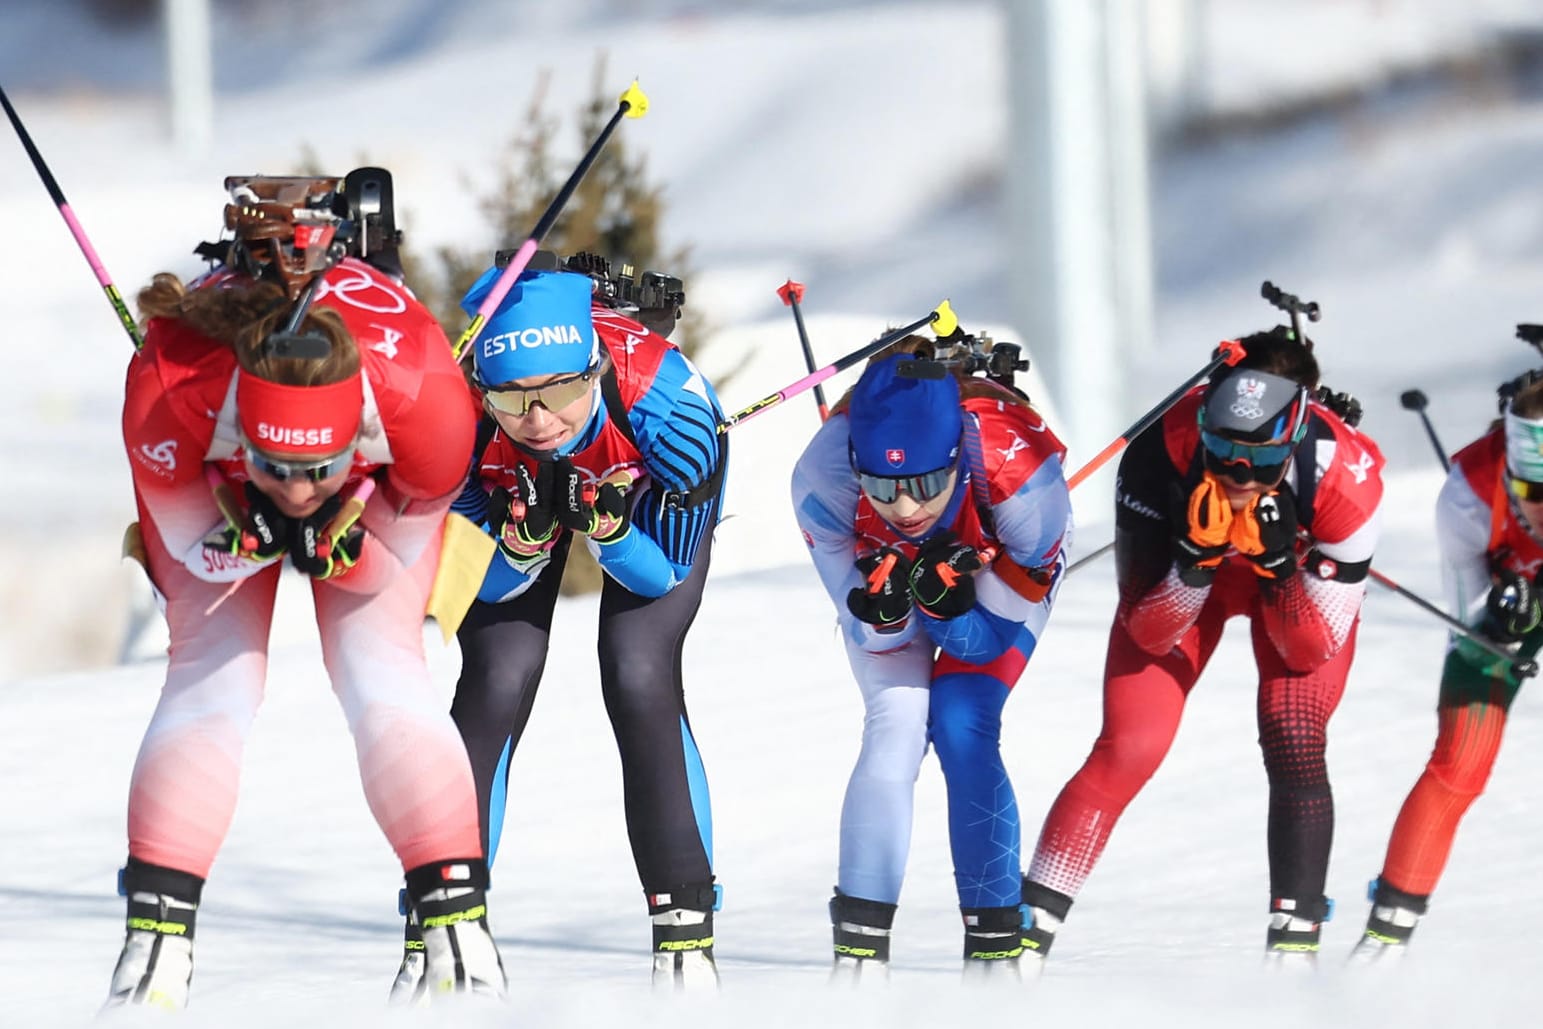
1292,939
408,989
683,936
860,936
1047,910
993,943
1391,922
155,968
449,902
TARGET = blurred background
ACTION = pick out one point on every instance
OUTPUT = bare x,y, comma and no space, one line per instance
1105,181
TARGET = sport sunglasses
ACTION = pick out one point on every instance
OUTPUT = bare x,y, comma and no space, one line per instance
922,488
555,395
1243,463
315,471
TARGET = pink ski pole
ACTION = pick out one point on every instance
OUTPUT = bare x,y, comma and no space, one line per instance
49,183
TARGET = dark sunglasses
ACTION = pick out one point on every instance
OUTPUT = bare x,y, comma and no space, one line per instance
1524,490
315,471
555,395
922,488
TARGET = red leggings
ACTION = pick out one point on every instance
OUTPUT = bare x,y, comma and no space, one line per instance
1143,700
1467,742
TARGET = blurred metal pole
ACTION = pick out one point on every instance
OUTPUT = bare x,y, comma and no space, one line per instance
189,74
1076,195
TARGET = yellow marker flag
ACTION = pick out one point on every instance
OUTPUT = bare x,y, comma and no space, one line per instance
464,555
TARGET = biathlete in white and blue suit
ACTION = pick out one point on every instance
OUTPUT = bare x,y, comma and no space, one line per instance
599,428
937,514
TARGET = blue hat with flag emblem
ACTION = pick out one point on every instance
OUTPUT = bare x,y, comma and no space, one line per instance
900,425
542,327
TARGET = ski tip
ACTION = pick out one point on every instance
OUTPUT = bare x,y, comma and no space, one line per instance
635,100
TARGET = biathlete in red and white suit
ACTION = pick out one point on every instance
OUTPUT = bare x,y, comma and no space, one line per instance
938,524
1248,499
599,428
287,427
1489,527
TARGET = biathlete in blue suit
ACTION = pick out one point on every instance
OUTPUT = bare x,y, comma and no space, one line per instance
937,515
597,428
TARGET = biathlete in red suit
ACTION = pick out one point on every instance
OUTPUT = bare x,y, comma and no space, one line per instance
596,427
245,441
1489,527
1249,498
937,515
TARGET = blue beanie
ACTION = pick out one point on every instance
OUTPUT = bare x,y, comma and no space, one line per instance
542,327
903,426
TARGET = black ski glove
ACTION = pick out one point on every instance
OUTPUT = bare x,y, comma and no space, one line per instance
320,554
1512,609
1265,532
885,602
943,578
598,510
262,534
538,530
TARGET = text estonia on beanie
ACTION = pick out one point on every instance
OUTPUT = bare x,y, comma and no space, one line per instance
903,426
542,327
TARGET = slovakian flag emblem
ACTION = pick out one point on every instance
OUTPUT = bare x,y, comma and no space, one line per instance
895,456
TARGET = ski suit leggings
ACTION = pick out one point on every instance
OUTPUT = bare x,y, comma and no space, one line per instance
1471,718
908,701
416,777
664,787
1143,700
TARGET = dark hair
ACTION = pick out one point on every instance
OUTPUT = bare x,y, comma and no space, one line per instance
241,315
1279,352
1528,402
922,347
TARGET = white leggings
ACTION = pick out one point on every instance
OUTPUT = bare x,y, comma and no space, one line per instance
416,777
877,812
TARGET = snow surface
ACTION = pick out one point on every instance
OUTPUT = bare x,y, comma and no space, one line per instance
797,140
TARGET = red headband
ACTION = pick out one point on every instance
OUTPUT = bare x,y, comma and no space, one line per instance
305,421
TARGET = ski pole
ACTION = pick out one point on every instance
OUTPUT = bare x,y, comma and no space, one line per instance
792,294
1523,667
632,104
941,319
1414,400
1228,351
52,185
1088,559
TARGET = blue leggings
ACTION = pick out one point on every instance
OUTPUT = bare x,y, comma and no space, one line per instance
964,722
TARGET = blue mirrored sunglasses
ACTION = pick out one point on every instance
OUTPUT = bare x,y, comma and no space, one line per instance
315,471
1251,454
887,489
